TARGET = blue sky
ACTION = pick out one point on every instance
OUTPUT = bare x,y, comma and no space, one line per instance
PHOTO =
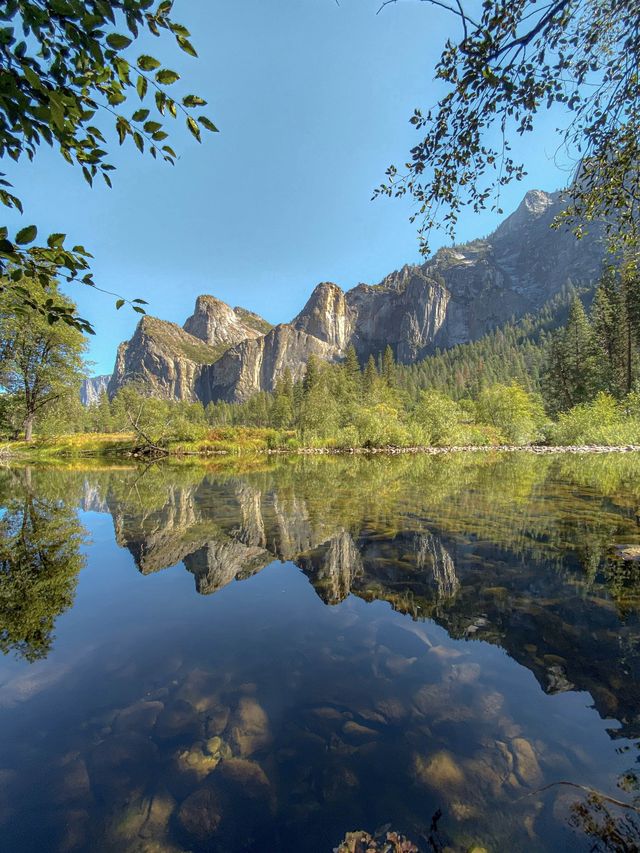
312,99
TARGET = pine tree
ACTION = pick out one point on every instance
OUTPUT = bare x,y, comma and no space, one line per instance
281,413
311,375
607,323
352,375
370,378
104,420
389,367
572,375
630,293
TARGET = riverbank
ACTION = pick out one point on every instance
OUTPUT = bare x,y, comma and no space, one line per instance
123,445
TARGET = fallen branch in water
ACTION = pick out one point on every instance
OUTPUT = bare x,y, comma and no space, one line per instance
584,788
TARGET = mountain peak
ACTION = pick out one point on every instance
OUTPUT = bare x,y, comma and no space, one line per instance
215,322
535,205
326,315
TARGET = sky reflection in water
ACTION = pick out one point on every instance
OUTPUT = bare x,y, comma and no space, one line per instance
409,634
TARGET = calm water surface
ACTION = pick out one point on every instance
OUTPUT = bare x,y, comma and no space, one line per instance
265,658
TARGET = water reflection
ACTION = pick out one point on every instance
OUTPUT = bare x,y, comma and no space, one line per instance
521,553
40,538
269,722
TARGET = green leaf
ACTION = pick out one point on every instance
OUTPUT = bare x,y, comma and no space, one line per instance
122,128
118,42
26,235
152,126
141,87
140,301
33,78
193,101
55,241
186,46
147,63
166,77
208,124
193,127
57,110
139,309
119,304
140,115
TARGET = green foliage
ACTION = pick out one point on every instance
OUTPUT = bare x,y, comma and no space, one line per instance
156,421
512,61
67,73
440,418
574,366
517,415
40,359
600,353
603,420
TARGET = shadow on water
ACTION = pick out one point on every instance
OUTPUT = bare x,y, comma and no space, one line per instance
411,635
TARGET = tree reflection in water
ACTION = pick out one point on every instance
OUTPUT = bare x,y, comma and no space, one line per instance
40,538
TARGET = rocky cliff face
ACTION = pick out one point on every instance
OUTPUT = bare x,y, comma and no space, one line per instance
461,293
465,291
92,389
163,356
256,365
327,316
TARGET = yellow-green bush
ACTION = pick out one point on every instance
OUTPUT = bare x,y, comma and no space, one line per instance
603,421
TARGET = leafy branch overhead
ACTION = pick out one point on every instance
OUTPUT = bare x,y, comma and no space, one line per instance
68,72
518,58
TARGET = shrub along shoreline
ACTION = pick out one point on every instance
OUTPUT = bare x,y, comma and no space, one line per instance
256,442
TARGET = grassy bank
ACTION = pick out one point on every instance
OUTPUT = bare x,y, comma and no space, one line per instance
247,441
241,440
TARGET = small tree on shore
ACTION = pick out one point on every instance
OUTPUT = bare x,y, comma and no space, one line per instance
41,360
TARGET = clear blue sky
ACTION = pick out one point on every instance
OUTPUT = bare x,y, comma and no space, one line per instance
312,99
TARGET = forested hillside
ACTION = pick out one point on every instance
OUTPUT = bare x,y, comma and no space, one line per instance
516,352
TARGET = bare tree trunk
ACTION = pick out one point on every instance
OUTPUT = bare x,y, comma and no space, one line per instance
629,356
28,428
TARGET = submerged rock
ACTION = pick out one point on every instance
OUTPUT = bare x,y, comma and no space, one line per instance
73,783
146,817
358,733
249,777
200,689
122,764
141,716
197,760
249,728
526,764
217,719
439,771
200,815
76,831
178,721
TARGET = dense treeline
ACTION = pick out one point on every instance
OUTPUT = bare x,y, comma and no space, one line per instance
568,375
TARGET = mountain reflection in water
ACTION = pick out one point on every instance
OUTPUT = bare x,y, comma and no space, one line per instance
258,718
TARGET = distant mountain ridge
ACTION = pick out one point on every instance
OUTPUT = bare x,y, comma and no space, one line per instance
463,292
